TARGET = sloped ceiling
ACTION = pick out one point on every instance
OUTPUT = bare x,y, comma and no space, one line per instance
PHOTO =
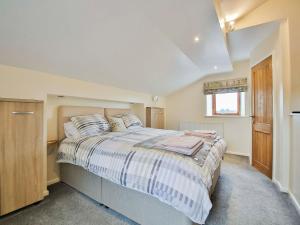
140,45
235,9
242,42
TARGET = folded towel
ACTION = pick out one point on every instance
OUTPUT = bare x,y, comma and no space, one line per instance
201,133
174,144
185,151
181,141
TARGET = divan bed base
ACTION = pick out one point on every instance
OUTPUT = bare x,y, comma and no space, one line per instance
139,207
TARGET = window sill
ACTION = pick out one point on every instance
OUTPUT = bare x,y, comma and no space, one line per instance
226,116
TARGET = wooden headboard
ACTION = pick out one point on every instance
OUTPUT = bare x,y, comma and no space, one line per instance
66,112
115,111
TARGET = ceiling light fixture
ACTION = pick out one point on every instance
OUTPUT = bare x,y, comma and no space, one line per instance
230,26
227,25
155,98
222,24
231,17
196,39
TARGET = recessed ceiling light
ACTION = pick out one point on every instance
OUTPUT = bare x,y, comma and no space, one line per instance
196,39
215,67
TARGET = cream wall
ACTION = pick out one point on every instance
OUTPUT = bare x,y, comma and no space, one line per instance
189,103
295,156
281,131
288,86
282,10
28,84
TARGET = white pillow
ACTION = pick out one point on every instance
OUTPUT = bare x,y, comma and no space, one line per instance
91,124
71,131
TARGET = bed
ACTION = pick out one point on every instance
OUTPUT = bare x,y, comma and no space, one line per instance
143,208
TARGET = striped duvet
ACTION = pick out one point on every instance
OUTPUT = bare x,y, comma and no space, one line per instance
177,180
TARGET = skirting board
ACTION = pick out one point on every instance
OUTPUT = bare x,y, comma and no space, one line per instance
296,203
294,200
53,181
237,153
280,187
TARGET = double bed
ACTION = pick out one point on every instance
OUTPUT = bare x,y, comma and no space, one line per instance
149,186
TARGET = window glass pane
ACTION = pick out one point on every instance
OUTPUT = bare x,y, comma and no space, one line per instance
209,105
227,103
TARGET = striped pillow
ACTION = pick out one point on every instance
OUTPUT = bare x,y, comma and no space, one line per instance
91,124
131,120
71,131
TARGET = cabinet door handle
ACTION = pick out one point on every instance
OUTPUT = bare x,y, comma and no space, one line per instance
22,113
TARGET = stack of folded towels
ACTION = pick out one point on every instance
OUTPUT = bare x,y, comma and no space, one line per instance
188,144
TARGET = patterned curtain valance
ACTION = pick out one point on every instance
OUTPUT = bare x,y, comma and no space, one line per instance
225,86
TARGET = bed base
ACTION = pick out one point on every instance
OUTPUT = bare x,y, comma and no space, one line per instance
139,207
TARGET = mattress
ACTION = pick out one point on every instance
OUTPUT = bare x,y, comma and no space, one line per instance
180,181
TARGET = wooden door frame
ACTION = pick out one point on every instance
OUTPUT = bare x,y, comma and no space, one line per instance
273,114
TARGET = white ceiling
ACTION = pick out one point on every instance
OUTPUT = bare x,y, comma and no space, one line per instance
142,45
235,9
242,42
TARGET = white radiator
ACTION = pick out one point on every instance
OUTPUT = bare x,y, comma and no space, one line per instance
218,127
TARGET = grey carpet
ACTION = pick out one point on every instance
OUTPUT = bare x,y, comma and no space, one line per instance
242,197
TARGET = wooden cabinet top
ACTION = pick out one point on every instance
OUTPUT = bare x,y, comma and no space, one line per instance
19,100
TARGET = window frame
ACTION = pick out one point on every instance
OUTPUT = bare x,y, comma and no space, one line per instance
215,113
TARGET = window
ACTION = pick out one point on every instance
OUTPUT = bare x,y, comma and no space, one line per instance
226,104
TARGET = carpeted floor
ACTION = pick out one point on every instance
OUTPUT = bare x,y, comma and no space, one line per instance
242,197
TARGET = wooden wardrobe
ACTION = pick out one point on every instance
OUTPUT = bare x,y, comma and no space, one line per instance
155,117
21,154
